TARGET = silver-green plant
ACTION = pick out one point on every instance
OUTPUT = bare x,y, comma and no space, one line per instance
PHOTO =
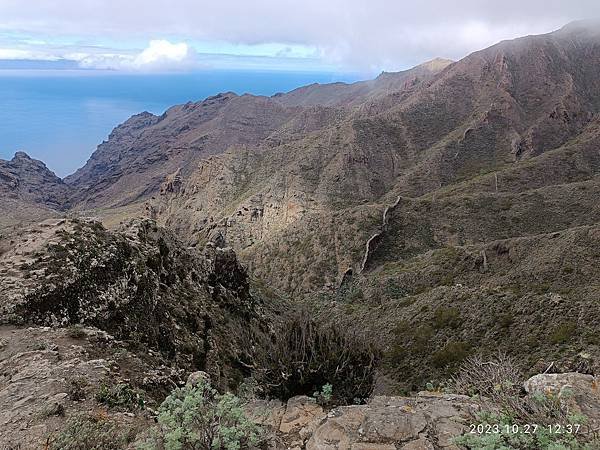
199,418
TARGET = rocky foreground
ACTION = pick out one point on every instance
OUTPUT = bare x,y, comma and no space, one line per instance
49,376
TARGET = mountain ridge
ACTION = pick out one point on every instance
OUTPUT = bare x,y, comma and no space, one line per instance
262,170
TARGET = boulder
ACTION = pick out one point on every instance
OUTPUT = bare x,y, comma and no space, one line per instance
578,391
420,423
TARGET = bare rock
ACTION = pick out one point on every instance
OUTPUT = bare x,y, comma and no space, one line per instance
266,412
300,412
196,377
388,422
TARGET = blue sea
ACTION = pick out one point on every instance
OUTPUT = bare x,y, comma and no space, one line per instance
61,116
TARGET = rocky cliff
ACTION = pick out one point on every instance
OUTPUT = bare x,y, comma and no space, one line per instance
29,191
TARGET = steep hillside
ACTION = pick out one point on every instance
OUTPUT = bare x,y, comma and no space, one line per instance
507,113
29,191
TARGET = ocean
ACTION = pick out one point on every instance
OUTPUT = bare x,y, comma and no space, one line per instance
61,116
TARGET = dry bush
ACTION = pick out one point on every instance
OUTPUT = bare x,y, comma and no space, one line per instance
489,377
498,380
308,355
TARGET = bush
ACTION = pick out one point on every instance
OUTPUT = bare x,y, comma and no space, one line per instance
307,355
452,354
498,381
446,317
92,433
563,332
199,418
76,332
76,389
120,395
495,377
325,396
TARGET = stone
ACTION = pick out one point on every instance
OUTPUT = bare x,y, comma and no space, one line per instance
266,412
300,411
389,422
196,377
579,391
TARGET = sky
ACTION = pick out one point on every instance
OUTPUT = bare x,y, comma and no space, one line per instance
305,35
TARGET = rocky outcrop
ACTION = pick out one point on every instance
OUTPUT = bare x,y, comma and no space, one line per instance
140,284
579,393
30,180
29,192
427,421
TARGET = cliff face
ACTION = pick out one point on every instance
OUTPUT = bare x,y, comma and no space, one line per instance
29,191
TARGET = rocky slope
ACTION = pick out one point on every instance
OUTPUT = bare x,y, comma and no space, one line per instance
29,191
192,306
521,116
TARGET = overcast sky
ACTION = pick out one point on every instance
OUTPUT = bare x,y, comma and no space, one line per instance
343,35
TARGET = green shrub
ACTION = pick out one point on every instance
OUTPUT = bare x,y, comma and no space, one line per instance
505,320
563,332
395,290
120,395
199,418
452,354
446,317
92,433
325,396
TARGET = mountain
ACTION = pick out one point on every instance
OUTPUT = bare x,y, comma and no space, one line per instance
307,186
29,191
385,230
301,179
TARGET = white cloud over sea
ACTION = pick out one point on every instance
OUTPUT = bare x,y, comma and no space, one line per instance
159,55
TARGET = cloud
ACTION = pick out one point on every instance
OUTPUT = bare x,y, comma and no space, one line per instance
159,56
162,53
19,54
357,34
